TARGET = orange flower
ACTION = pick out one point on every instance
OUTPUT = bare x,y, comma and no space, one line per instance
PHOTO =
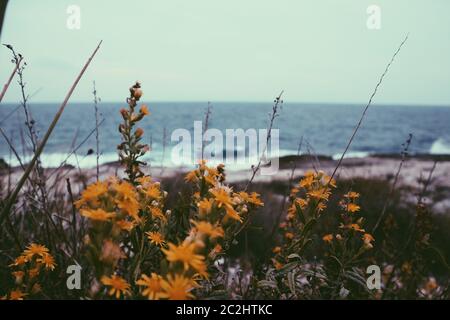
276,250
231,213
144,110
351,195
191,176
35,249
368,239
157,213
352,207
153,191
48,261
208,229
328,238
156,238
289,235
97,214
205,206
139,132
253,198
178,287
356,227
185,254
320,194
152,286
118,286
222,197
92,193
126,225
20,260
16,295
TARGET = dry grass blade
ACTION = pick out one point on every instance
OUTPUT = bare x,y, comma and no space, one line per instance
367,107
11,200
6,86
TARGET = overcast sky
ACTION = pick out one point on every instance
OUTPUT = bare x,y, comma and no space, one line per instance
233,50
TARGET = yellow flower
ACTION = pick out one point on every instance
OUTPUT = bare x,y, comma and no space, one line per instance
217,248
97,214
178,287
130,206
320,194
278,265
231,213
368,238
205,206
328,238
211,180
351,195
276,250
18,275
153,289
156,238
125,189
356,227
208,229
302,203
20,260
144,110
153,191
139,132
327,180
35,249
253,198
321,206
352,207
126,225
32,273
307,181
118,286
144,181
16,295
92,193
222,197
191,176
185,254
289,235
157,213
48,261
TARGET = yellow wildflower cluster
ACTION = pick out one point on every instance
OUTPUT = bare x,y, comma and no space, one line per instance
130,214
350,229
218,209
27,268
307,200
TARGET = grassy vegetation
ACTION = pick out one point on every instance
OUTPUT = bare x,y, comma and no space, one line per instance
198,237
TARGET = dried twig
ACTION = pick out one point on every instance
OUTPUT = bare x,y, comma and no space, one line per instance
277,104
17,63
404,154
366,108
97,140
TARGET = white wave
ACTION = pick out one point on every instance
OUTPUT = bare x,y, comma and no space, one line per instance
440,146
351,154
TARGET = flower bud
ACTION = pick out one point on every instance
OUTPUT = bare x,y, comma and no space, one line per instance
139,132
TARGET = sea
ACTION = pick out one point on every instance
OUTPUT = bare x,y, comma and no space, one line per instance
324,129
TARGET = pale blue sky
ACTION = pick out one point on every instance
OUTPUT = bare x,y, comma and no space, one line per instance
234,50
